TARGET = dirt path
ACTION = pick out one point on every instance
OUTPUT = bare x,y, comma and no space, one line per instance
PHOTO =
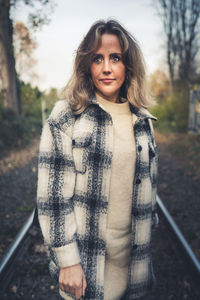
18,176
177,188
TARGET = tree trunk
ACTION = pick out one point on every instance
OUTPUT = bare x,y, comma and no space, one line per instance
9,82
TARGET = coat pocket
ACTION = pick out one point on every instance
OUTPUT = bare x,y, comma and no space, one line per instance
80,150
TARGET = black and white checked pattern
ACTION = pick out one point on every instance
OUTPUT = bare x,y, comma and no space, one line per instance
72,197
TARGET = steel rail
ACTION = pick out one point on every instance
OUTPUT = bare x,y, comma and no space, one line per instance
8,260
190,260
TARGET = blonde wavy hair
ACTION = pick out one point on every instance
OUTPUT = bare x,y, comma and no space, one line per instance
80,88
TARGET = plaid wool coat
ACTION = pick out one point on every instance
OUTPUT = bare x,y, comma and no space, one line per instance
74,173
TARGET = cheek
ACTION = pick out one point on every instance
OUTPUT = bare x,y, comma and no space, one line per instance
121,74
94,71
123,71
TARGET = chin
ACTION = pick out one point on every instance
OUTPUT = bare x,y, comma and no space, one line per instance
109,94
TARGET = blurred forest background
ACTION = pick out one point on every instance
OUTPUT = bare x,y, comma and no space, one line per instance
20,103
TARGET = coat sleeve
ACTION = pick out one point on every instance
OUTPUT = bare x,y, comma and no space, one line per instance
155,218
55,189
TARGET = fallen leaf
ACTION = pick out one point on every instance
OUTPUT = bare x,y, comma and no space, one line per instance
186,284
40,248
14,289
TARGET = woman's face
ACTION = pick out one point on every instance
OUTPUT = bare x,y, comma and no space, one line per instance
107,68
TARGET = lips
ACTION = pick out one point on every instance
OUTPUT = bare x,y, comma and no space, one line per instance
107,80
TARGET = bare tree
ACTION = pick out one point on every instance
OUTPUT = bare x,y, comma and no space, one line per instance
181,20
8,76
24,46
9,84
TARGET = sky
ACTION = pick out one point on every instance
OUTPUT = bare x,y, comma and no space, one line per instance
70,21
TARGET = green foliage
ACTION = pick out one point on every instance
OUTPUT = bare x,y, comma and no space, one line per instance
172,113
50,98
18,130
31,100
13,129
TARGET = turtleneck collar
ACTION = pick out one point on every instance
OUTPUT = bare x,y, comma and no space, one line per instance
141,113
112,107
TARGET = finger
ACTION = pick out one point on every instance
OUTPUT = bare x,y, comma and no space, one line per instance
68,289
83,288
73,291
84,285
78,293
61,286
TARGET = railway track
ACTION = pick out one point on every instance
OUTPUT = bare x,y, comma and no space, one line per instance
177,242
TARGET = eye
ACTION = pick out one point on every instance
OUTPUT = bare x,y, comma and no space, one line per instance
115,57
97,58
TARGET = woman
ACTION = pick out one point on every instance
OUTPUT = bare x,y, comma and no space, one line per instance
97,173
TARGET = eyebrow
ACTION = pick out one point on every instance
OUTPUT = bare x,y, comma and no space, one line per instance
110,53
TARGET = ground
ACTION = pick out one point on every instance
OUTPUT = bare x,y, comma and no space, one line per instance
178,187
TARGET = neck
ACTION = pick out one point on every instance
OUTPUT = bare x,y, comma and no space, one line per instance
114,99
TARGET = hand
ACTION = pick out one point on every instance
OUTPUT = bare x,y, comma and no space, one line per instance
72,280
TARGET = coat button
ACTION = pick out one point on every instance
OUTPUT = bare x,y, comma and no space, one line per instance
73,142
135,247
139,148
138,180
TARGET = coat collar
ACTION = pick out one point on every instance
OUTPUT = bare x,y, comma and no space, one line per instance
141,113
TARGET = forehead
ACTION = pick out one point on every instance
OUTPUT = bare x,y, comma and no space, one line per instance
109,42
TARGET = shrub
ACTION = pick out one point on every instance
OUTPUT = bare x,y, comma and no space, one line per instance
172,113
18,130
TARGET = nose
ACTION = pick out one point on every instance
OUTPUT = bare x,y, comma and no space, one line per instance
107,67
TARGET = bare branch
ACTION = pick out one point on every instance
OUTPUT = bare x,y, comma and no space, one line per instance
180,21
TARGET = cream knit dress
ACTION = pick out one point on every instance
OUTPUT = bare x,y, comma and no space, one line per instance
120,199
